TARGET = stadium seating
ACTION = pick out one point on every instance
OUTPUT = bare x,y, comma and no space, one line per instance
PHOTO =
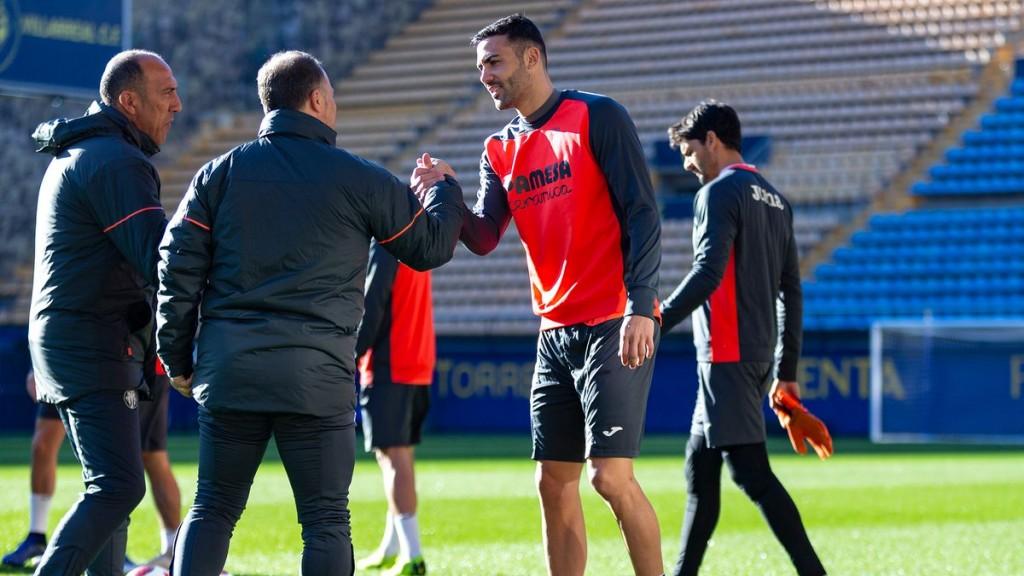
989,162
848,102
939,262
214,47
848,92
955,261
19,185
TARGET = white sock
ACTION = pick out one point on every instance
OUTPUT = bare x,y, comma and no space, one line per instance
166,540
389,543
39,513
408,535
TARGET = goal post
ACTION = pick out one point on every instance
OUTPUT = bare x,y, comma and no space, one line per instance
947,381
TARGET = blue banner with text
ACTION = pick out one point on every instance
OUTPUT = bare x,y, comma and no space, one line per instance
59,47
483,384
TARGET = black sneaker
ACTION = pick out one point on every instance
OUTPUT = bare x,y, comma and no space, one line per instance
31,547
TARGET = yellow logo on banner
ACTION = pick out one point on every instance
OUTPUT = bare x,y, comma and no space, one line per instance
9,32
5,24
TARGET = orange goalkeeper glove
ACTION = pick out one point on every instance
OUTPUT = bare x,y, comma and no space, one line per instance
801,424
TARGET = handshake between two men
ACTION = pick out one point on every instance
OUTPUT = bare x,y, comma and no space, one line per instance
428,171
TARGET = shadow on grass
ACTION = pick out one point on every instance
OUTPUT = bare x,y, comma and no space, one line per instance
14,449
4,569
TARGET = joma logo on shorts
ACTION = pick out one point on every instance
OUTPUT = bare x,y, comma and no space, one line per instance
541,177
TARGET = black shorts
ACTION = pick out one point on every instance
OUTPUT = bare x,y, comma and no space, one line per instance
729,402
152,416
46,411
393,413
584,403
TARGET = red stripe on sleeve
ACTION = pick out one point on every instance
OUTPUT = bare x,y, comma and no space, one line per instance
198,223
403,230
724,320
130,216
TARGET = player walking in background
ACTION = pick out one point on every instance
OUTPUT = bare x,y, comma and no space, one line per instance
46,441
268,253
155,460
98,225
571,172
745,260
396,352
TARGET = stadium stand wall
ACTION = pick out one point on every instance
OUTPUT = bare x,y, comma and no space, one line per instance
959,256
215,48
849,93
848,96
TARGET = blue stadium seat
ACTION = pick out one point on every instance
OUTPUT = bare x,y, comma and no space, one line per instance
949,263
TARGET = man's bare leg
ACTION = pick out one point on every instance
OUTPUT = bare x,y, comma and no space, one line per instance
613,479
166,494
565,534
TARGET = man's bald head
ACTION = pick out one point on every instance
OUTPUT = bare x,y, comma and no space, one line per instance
142,86
125,72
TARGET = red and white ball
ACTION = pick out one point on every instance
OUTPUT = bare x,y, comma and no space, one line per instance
148,571
157,571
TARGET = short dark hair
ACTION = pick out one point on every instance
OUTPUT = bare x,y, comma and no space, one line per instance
287,78
708,116
519,29
123,72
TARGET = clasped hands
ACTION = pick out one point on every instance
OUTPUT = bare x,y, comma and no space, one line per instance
428,172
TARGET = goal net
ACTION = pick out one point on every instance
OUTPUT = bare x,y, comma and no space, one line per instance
946,381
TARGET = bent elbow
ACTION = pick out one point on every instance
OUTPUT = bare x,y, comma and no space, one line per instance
480,248
430,261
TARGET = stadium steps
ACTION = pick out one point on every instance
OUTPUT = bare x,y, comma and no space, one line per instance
376,134
992,82
176,174
959,259
872,117
472,97
431,60
389,104
16,295
882,112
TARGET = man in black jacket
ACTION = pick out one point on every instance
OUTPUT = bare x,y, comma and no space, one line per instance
745,260
268,252
98,225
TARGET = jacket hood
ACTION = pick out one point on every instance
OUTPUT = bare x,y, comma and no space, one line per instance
57,135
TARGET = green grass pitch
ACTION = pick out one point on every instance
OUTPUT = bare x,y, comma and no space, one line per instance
896,511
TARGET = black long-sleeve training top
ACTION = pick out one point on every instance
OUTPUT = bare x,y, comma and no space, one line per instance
745,281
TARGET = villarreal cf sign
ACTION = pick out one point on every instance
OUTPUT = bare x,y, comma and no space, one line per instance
60,47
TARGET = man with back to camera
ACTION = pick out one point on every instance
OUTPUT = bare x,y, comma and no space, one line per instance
571,172
745,261
98,225
396,353
268,253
